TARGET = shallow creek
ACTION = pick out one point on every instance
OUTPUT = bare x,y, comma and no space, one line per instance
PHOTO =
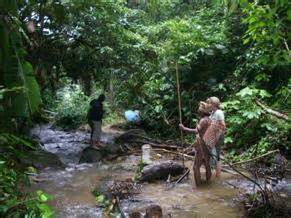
72,187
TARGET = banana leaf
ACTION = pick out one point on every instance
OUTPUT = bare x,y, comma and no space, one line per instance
15,70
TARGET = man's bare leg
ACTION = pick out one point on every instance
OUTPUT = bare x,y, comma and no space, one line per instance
218,169
208,170
197,174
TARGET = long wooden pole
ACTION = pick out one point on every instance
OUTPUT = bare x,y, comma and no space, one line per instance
179,99
179,105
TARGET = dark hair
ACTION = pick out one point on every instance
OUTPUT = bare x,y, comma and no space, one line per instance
203,114
101,98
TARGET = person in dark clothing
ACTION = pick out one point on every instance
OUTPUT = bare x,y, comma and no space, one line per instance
95,116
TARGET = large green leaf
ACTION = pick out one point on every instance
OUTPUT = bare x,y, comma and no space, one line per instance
17,72
26,101
31,88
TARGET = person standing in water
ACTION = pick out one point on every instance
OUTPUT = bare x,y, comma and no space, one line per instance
95,116
201,151
214,135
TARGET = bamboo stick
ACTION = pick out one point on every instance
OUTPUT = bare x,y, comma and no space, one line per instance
179,105
179,99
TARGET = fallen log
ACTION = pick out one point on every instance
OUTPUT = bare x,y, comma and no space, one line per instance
129,135
155,145
161,171
137,137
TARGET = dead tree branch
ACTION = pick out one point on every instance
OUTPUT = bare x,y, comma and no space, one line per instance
256,158
271,111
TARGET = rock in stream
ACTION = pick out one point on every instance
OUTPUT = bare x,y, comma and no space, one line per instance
161,171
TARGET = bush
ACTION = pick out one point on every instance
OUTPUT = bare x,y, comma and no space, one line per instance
261,131
13,202
71,106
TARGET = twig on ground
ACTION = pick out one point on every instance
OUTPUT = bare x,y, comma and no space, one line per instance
183,176
173,152
229,171
172,185
256,158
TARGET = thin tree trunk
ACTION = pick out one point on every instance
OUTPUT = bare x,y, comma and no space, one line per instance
111,89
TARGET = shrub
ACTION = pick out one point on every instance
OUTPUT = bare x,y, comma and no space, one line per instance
13,201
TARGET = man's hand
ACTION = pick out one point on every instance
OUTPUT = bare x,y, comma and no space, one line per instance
181,126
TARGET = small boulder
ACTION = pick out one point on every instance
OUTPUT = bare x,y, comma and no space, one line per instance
147,211
41,159
140,208
90,155
154,211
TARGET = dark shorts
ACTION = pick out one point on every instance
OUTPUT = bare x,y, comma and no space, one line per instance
215,151
218,146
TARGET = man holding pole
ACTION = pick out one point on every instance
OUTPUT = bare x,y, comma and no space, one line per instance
201,151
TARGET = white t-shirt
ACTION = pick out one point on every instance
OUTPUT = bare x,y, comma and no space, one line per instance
217,115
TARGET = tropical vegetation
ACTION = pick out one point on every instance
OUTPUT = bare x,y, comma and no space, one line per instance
56,55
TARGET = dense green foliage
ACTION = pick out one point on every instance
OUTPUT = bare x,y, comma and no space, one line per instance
262,131
132,50
13,178
219,49
65,50
21,97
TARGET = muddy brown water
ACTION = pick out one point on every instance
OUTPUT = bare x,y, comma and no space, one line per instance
72,187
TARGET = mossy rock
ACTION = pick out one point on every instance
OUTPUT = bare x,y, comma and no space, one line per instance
41,159
91,155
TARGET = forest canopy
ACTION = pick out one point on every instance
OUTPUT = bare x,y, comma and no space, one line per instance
57,55
236,50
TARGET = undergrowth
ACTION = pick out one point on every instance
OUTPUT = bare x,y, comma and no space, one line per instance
14,202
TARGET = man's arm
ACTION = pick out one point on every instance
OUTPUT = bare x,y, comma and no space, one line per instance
220,120
186,129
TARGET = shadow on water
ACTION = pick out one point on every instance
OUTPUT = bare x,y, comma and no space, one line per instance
72,187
